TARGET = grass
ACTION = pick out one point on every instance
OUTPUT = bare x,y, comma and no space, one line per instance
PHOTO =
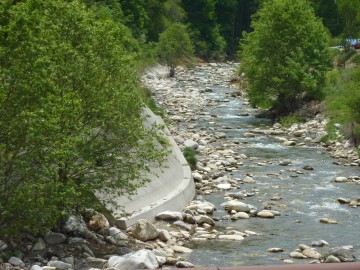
147,96
288,121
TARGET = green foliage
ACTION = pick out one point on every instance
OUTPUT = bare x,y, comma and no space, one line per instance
342,103
286,58
190,156
175,46
205,30
344,56
350,10
329,13
147,97
70,114
355,59
288,121
147,19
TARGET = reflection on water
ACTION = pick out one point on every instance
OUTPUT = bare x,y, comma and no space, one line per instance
306,196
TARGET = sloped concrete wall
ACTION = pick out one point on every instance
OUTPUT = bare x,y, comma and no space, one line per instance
170,188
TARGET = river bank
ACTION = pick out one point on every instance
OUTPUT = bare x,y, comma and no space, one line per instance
258,193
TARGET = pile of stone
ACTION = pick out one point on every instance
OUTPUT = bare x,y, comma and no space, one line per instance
311,253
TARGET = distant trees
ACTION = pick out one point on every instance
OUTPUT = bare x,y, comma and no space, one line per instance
285,58
328,11
350,10
70,116
175,46
216,26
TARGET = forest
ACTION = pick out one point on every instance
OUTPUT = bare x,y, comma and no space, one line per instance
70,114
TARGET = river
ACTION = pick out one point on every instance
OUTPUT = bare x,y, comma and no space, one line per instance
301,196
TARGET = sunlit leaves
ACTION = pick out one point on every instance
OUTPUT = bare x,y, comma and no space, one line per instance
286,57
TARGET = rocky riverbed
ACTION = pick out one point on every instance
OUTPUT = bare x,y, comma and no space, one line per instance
243,197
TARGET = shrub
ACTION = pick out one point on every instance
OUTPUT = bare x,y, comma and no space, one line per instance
189,154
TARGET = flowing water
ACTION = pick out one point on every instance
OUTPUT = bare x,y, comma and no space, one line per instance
306,197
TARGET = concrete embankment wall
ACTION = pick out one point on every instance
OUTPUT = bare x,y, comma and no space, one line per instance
170,188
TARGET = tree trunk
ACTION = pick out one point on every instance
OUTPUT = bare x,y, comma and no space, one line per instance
172,72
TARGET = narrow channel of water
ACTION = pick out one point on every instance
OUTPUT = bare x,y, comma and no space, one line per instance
305,197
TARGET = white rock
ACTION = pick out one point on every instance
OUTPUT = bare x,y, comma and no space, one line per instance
14,261
275,250
184,264
117,234
164,235
3,245
181,249
332,259
197,176
241,215
265,214
311,253
249,135
207,207
169,216
249,180
328,221
161,260
297,255
299,133
233,237
289,143
36,267
341,179
60,265
224,186
95,262
142,259
143,230
237,206
204,219
191,144
40,245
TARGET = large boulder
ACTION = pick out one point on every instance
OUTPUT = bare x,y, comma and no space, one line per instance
342,254
143,230
191,144
117,234
59,265
204,219
169,216
15,261
205,206
142,259
236,206
54,238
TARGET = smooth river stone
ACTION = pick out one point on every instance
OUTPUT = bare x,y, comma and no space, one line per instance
233,237
265,214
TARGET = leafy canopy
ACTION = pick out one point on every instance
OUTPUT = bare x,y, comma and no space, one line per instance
175,46
285,58
70,116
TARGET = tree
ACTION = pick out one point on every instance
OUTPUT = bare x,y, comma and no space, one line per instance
70,116
329,13
175,46
204,28
350,10
286,56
